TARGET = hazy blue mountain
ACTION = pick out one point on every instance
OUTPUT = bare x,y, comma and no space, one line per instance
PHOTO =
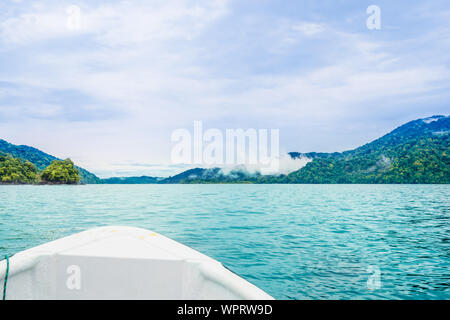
131,180
194,174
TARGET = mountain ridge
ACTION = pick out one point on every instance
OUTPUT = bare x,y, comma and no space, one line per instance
415,152
131,180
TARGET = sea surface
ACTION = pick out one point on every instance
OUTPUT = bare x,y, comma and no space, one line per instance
293,241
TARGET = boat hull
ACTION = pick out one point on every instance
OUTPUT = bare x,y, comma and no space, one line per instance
121,263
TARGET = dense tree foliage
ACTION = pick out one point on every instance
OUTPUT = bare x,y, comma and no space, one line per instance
417,160
41,159
416,152
19,171
16,171
35,156
61,172
422,161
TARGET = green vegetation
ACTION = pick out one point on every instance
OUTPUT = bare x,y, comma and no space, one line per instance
61,172
399,157
424,160
41,160
16,171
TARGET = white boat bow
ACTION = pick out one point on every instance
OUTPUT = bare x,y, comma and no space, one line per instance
121,263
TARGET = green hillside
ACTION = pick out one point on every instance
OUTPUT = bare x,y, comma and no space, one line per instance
417,152
41,159
60,172
19,171
16,171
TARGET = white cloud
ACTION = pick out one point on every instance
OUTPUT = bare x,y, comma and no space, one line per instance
114,24
308,28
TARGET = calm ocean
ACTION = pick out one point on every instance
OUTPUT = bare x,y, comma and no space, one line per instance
293,241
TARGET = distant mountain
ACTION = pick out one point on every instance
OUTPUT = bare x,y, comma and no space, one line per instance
416,152
194,174
131,180
41,159
212,175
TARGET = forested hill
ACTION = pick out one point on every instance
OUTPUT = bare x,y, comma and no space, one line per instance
41,159
416,152
131,180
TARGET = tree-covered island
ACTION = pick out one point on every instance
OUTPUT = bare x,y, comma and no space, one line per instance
19,171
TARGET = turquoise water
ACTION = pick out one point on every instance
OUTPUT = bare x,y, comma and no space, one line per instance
293,241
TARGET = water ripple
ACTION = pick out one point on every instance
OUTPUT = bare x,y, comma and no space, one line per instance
294,241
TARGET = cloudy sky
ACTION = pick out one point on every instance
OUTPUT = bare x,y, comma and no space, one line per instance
110,93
